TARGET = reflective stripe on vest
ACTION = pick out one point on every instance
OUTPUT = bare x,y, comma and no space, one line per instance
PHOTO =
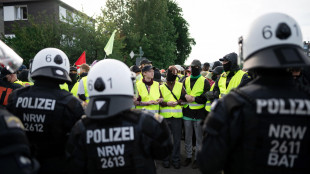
196,91
146,96
208,103
169,111
233,83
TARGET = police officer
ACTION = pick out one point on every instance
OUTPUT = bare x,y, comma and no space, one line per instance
263,127
15,155
47,112
112,138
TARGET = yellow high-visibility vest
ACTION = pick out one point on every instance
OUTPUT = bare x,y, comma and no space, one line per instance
146,96
169,111
64,86
233,83
196,91
208,103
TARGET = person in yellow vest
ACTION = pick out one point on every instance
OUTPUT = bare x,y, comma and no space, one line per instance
173,94
233,76
137,71
194,112
82,91
215,74
148,91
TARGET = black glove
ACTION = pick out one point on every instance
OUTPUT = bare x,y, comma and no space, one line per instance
209,95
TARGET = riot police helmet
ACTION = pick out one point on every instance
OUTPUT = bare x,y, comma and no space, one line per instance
274,40
110,93
51,63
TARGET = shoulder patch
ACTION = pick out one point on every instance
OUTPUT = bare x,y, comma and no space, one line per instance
13,122
158,118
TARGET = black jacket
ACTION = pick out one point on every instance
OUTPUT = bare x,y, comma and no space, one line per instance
197,113
15,155
136,137
48,114
260,128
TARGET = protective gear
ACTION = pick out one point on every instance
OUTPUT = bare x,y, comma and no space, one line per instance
233,83
195,71
256,117
197,90
171,111
141,138
52,63
15,155
107,89
273,41
148,96
196,63
73,77
171,76
262,127
9,58
48,114
214,77
227,66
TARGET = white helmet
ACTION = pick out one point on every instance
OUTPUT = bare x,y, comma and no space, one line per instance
274,40
52,63
110,89
9,58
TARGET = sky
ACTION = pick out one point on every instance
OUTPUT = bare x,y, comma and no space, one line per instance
217,25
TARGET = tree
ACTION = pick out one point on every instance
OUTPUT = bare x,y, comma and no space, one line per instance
73,35
149,23
184,41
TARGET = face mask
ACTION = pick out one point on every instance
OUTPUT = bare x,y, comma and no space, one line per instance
170,76
227,66
73,77
214,78
195,71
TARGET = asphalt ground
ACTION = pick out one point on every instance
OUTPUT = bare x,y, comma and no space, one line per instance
182,170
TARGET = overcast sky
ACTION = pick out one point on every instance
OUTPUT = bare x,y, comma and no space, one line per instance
217,25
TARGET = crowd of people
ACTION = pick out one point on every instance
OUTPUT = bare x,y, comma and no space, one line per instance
89,119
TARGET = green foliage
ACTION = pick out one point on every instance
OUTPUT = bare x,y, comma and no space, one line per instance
155,25
73,35
184,41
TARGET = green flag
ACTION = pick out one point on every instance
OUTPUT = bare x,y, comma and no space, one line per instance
109,47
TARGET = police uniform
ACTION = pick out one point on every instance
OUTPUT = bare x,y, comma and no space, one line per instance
15,155
112,138
47,112
262,127
126,143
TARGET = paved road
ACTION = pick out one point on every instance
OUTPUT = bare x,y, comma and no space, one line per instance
182,170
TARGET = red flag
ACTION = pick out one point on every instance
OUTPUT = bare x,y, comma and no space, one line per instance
81,60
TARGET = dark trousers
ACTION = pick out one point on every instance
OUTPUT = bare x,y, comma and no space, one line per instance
175,125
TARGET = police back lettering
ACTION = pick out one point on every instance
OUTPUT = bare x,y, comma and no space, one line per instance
35,122
285,139
111,155
283,106
36,103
